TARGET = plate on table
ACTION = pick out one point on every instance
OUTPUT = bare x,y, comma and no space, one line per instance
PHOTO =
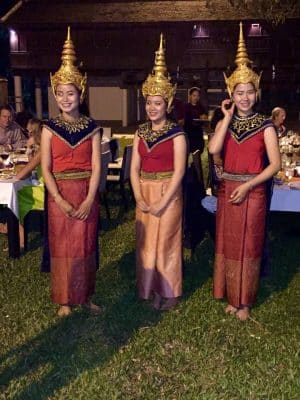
6,175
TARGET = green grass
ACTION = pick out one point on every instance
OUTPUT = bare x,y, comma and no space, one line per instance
130,351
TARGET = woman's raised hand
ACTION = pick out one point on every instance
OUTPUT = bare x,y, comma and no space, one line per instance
227,108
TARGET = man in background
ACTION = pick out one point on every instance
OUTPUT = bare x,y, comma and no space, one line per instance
11,136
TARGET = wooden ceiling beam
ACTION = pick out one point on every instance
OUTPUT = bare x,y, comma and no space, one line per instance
123,12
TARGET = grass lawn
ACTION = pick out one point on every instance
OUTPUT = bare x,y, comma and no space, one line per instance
132,352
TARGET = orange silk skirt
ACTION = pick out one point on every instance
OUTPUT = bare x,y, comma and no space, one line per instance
73,246
159,243
239,245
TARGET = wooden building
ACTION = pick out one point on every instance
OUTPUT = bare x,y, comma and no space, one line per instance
116,40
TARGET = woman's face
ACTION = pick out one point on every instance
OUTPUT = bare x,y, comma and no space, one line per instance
195,97
67,98
244,97
279,119
156,109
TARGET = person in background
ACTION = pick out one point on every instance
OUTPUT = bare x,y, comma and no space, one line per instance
177,111
245,137
193,112
157,169
31,197
11,136
22,118
278,118
71,160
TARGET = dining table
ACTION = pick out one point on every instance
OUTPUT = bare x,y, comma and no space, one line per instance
9,188
285,198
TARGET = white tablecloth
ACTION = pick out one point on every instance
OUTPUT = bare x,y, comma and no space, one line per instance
9,193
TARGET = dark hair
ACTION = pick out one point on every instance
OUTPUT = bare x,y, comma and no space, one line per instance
84,108
7,108
22,117
194,89
217,116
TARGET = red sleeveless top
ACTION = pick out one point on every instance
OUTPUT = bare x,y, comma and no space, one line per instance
156,149
158,159
66,158
71,143
244,146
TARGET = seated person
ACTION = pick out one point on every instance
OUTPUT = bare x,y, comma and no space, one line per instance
278,118
31,197
11,136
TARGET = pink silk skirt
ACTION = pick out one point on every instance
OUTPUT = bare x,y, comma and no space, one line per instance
159,244
73,246
239,245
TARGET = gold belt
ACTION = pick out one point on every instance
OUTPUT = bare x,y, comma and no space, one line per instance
156,175
72,175
238,177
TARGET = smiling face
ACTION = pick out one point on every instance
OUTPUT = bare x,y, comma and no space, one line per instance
5,118
156,109
244,97
68,98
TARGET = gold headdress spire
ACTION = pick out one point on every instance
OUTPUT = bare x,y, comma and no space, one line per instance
243,73
68,73
158,83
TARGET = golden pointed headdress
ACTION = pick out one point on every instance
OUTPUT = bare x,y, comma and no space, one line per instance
158,83
243,73
68,73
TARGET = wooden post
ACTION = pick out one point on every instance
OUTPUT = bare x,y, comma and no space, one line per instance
3,92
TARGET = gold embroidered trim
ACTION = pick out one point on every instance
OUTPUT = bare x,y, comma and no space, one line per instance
238,177
162,141
156,175
240,125
78,143
146,132
72,127
72,175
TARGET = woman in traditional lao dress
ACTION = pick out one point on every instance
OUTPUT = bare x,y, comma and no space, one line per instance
157,169
245,137
71,169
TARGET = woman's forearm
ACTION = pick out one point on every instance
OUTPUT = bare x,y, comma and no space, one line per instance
135,184
216,143
173,186
265,175
26,171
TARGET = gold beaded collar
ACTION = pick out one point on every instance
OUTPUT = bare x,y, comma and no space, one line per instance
146,132
72,127
242,128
